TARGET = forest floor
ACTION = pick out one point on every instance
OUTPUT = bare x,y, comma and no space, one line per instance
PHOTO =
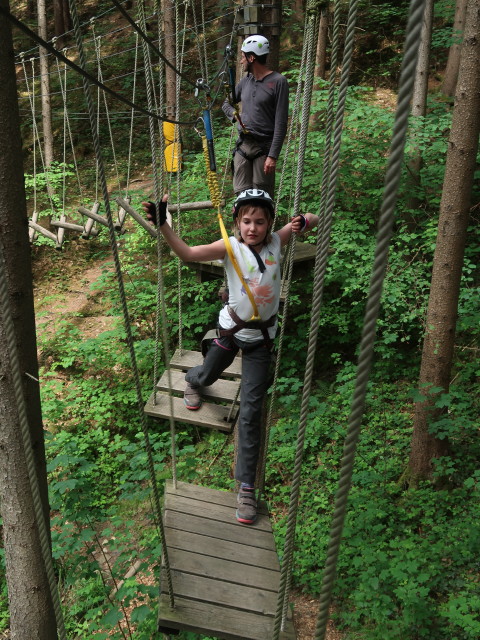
64,292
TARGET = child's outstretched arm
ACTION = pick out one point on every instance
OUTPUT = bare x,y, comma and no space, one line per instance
299,224
197,253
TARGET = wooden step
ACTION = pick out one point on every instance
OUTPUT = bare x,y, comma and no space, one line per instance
185,360
222,390
212,416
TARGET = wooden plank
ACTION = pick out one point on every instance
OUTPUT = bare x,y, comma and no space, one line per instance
225,594
224,549
214,496
211,620
212,416
220,569
222,390
232,531
217,512
187,359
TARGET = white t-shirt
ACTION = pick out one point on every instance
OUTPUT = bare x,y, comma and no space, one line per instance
265,287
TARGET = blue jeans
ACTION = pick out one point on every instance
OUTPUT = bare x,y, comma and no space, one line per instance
256,360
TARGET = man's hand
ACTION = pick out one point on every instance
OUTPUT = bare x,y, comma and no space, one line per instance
269,165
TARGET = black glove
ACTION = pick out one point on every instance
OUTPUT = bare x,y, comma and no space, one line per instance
160,209
304,221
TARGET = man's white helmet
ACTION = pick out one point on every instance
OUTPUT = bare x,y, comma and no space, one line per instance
256,44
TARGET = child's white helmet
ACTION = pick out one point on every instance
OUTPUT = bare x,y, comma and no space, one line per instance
256,44
254,196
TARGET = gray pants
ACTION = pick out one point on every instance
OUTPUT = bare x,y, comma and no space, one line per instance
256,360
248,171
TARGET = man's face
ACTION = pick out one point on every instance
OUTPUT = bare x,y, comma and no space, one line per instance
245,60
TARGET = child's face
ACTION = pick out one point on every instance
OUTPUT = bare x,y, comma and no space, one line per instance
254,225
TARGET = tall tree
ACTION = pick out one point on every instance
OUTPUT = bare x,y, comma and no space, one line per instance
45,85
449,251
62,20
453,62
419,101
321,54
31,610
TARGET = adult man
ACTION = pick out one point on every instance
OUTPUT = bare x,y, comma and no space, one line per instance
262,124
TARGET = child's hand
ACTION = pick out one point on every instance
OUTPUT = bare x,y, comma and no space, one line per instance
299,223
151,210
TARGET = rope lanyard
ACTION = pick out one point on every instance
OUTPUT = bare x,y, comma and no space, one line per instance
212,180
123,299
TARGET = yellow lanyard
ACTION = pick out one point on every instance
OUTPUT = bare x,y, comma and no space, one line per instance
231,255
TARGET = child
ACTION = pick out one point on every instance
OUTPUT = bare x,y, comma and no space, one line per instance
257,254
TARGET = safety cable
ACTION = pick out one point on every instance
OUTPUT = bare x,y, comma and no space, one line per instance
46,171
16,375
132,117
98,44
150,42
385,230
121,288
63,90
86,76
176,148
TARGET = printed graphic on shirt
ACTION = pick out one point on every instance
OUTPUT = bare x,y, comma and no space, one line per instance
262,293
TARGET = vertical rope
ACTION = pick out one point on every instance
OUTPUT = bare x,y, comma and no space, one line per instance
113,244
161,319
132,115
16,374
385,228
313,335
98,43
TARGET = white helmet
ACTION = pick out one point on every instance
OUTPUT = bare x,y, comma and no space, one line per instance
256,44
257,196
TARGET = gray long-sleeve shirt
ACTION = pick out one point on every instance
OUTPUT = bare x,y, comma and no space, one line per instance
264,110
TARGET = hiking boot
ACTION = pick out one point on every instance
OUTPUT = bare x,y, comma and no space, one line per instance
247,507
192,397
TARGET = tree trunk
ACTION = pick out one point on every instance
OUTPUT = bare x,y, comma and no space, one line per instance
419,105
31,611
448,258
61,13
45,86
453,62
170,75
321,55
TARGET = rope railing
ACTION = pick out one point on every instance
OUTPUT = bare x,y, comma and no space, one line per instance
385,228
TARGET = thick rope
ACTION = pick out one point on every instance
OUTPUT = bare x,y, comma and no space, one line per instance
287,268
123,299
16,374
311,35
322,247
385,228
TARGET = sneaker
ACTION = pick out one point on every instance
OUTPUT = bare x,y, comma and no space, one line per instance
192,397
247,507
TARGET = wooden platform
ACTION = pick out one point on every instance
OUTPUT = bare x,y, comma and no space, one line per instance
225,575
218,398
